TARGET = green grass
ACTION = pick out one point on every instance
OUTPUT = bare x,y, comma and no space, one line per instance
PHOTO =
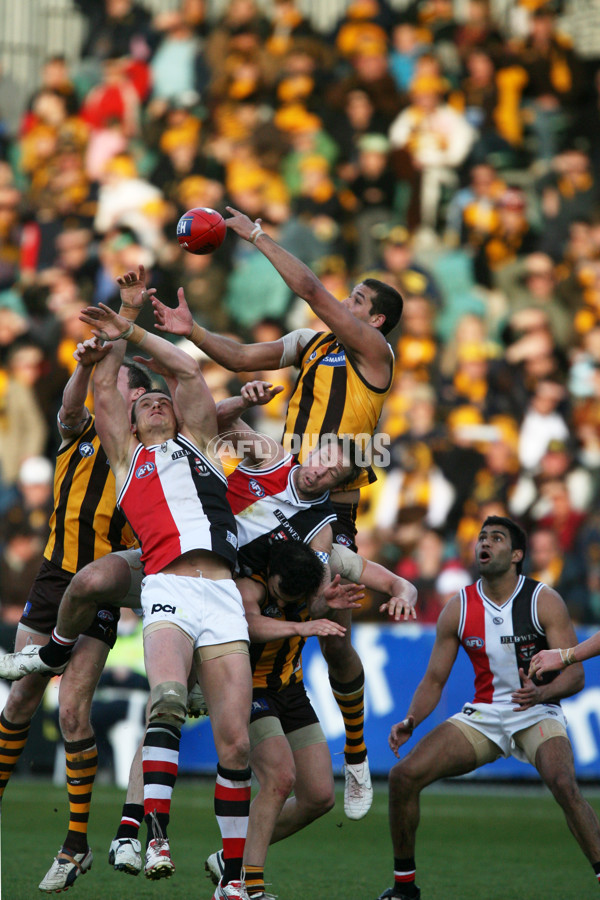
487,845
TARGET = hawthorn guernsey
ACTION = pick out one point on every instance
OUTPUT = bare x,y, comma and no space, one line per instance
175,484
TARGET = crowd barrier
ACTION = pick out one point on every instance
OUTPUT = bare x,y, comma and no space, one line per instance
395,658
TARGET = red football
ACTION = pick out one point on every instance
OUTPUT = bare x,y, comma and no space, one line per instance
201,230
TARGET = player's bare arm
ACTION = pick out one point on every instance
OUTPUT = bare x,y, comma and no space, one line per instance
199,417
227,352
252,447
561,657
263,628
403,594
112,419
73,414
556,622
355,568
428,692
366,343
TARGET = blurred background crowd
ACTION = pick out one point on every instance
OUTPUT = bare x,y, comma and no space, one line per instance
451,149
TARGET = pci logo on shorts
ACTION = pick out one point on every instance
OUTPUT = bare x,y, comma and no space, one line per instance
145,469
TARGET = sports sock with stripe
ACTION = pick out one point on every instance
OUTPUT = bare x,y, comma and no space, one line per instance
160,763
13,737
232,809
58,650
350,697
82,765
131,819
404,877
254,880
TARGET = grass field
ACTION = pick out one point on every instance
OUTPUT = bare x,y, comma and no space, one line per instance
492,845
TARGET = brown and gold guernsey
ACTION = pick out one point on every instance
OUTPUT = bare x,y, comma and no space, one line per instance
278,664
332,397
85,523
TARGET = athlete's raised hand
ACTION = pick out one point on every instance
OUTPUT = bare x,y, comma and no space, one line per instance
400,733
132,287
258,393
174,321
106,324
91,351
241,224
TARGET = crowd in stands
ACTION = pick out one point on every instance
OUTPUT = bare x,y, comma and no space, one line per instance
455,158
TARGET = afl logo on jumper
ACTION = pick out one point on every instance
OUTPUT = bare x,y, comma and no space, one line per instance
256,488
105,615
343,540
474,642
86,449
146,468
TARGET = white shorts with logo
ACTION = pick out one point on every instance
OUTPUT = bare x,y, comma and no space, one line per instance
210,612
499,722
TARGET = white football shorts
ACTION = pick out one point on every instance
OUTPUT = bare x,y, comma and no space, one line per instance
499,722
210,612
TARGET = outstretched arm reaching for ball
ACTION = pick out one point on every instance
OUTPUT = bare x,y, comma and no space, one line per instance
227,352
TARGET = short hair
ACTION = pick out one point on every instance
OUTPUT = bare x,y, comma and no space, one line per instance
518,538
137,376
151,391
387,302
300,569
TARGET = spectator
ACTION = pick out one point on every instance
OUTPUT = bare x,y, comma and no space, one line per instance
542,423
430,140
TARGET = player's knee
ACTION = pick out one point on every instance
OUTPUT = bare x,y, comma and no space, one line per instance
402,779
86,584
336,650
323,801
74,721
317,802
234,751
168,703
564,787
24,698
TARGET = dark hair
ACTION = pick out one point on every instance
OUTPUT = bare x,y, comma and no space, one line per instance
387,302
518,538
137,376
300,569
150,391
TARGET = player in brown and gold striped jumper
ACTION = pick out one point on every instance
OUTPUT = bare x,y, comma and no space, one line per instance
345,376
84,526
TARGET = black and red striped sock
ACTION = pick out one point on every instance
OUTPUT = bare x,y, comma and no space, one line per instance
232,809
160,763
404,877
131,819
58,650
